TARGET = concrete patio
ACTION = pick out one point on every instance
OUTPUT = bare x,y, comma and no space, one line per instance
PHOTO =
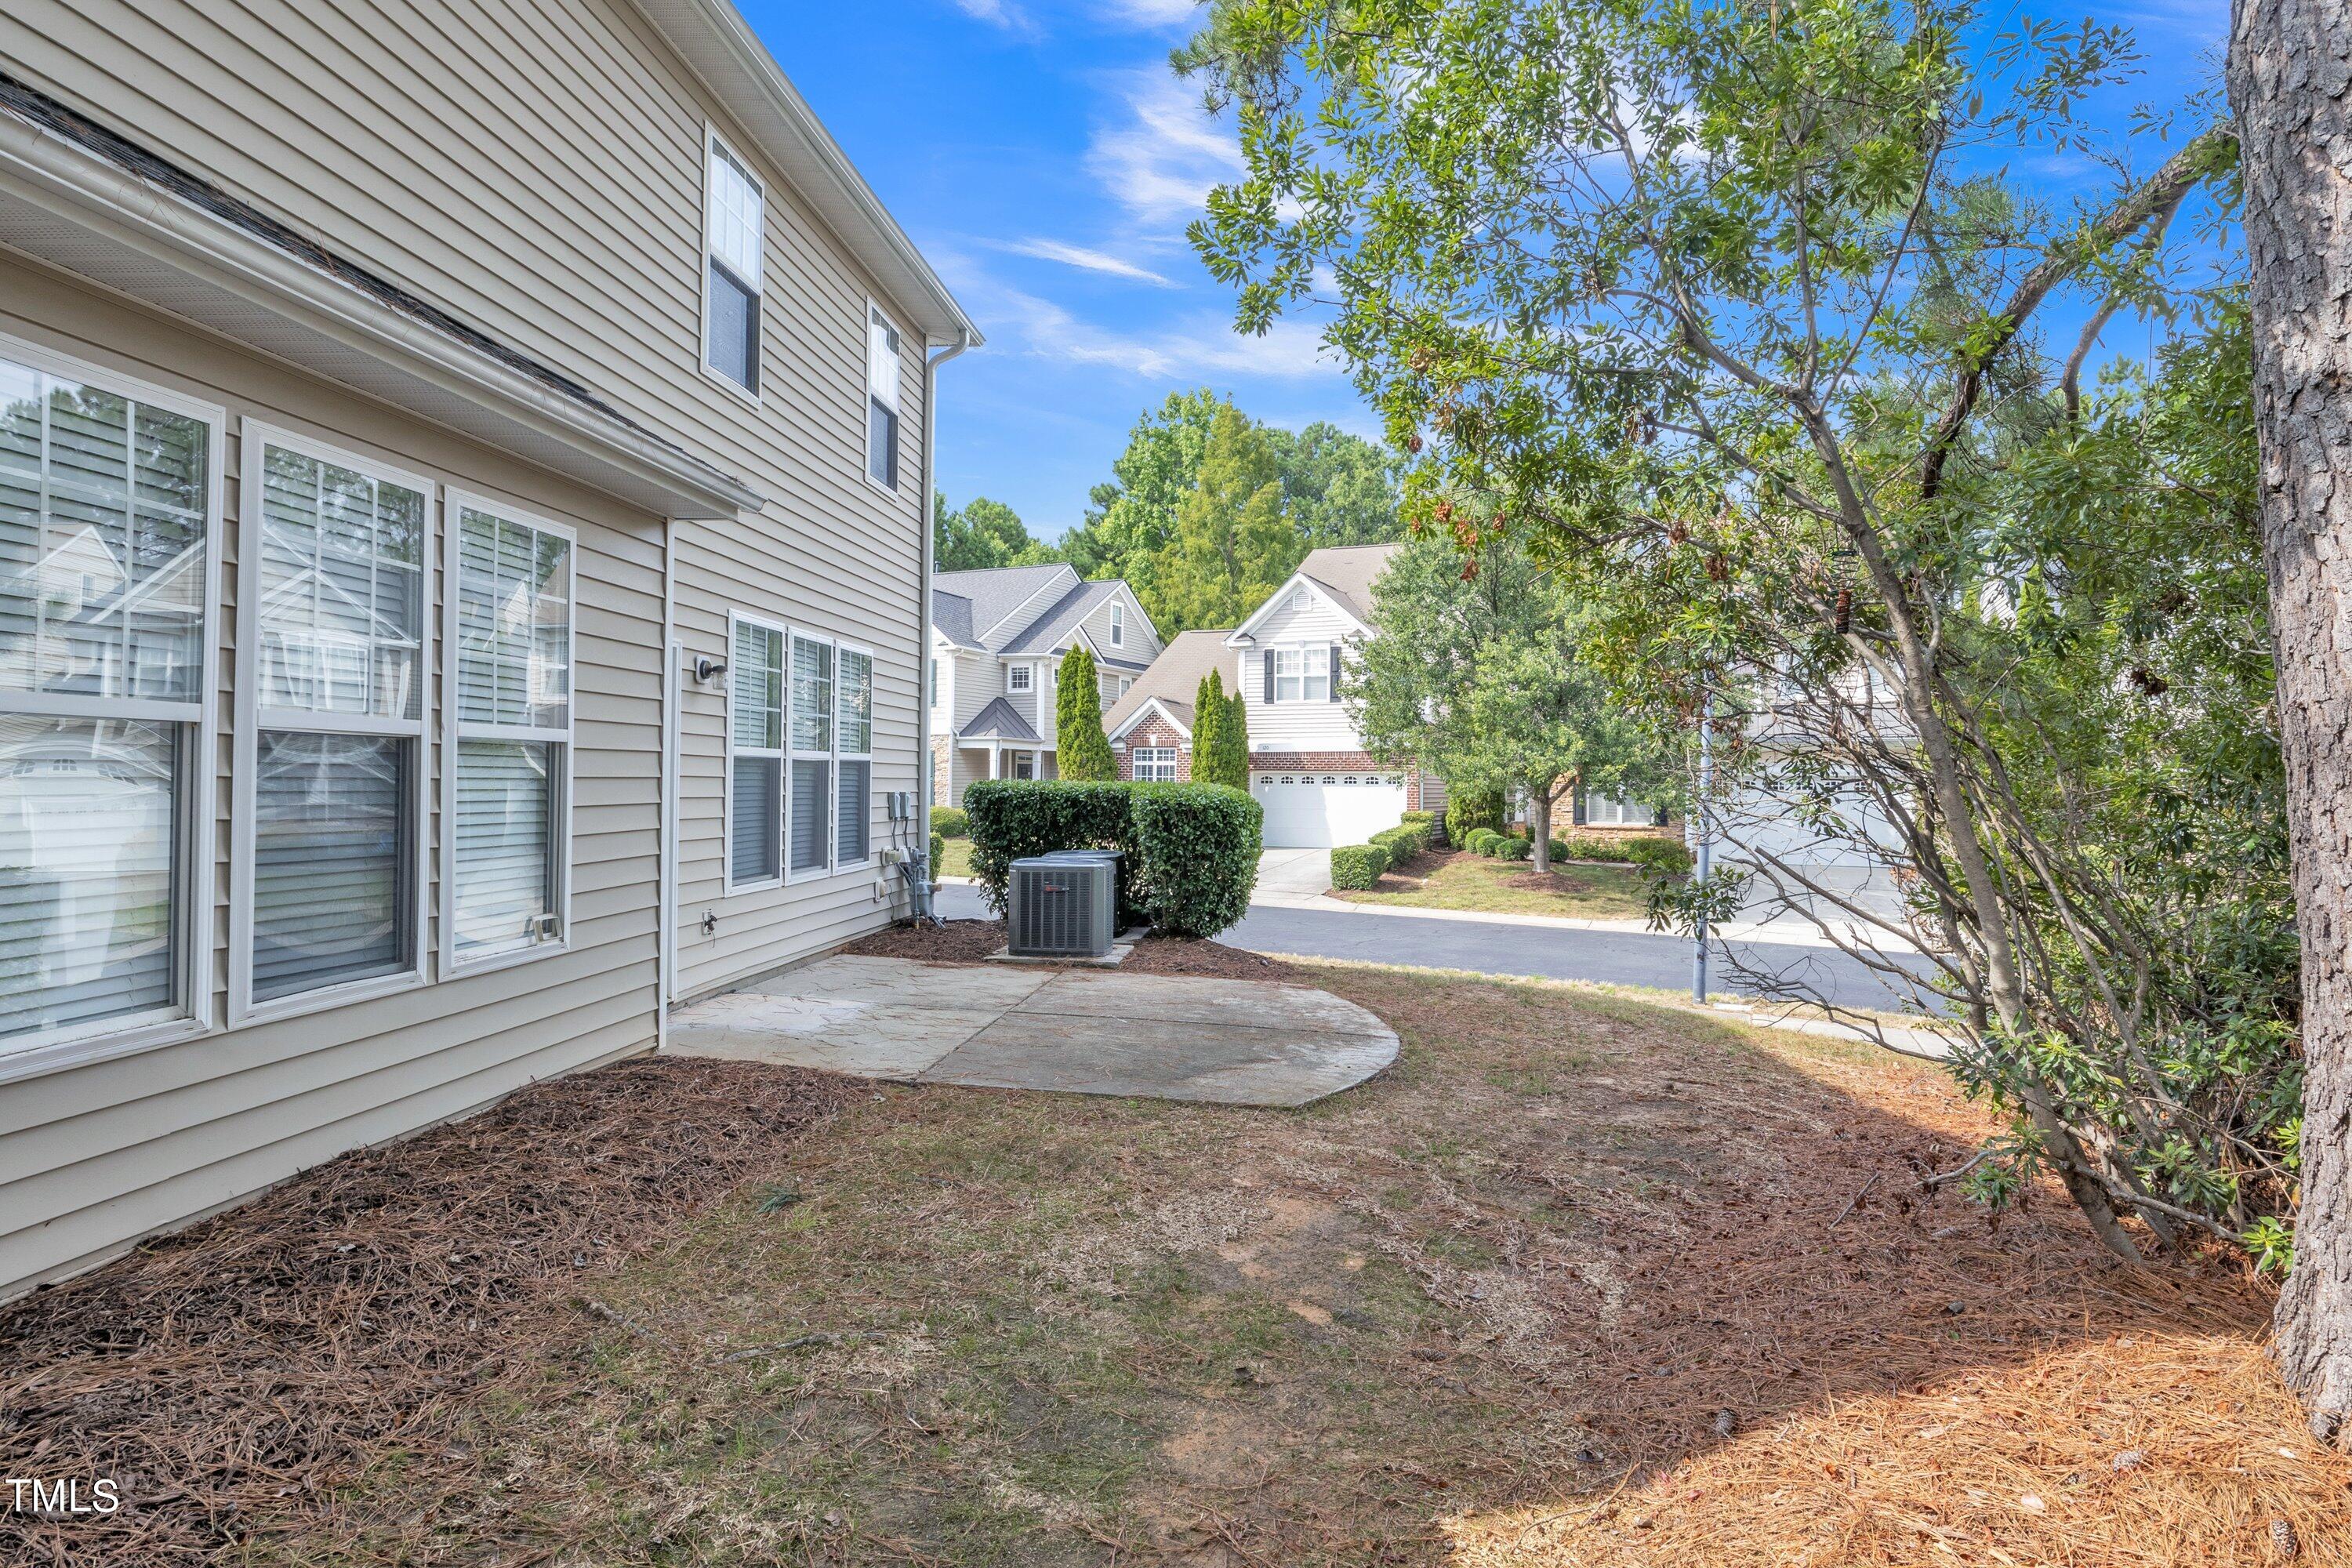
1230,1042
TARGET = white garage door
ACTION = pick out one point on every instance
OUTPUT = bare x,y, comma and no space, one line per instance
1316,811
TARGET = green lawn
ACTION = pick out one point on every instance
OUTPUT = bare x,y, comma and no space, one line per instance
955,858
1483,886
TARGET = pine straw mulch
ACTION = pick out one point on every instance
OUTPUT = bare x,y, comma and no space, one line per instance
235,1376
971,941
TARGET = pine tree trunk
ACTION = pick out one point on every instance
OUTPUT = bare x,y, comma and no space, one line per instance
2290,78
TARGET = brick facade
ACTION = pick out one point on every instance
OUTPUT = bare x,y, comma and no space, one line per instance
1156,731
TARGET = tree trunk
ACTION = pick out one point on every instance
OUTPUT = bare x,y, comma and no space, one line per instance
2290,65
1540,821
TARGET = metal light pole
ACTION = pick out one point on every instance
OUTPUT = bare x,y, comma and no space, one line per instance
1706,848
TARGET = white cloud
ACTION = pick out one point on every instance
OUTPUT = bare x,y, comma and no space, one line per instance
1086,261
1163,160
996,12
1201,345
1150,12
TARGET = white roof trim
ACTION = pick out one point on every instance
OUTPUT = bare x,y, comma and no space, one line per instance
715,40
1275,599
1151,705
1061,592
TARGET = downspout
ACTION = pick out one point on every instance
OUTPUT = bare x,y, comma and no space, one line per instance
922,848
666,895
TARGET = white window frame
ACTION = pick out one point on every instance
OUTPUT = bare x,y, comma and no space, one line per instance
251,719
715,145
876,316
1117,624
1155,757
1314,665
841,755
1019,677
192,1015
793,753
455,504
782,753
1646,815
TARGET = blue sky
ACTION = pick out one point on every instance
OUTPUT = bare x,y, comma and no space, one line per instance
1044,158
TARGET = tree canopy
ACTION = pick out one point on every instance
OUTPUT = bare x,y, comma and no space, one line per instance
983,534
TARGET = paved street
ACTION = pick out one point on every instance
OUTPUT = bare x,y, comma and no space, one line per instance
1620,958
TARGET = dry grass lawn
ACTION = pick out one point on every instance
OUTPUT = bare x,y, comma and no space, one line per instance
1456,880
1580,1280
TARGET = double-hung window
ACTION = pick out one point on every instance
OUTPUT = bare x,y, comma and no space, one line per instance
881,399
1302,675
733,224
755,754
1155,762
108,496
508,790
810,829
1600,811
327,874
1117,625
853,735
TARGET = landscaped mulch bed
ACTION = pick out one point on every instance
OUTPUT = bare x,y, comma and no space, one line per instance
971,941
245,1370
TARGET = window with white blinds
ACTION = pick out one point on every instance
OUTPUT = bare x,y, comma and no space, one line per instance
107,506
331,733
508,789
755,753
810,815
734,228
853,734
882,377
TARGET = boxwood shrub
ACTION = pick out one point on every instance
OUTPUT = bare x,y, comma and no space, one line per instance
1356,867
1189,852
1431,821
1467,810
1403,841
949,821
1483,841
1514,848
1667,855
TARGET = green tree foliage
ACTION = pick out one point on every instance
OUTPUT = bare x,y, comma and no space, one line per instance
1234,541
1333,488
1081,749
1728,308
1473,670
983,534
1233,743
1211,714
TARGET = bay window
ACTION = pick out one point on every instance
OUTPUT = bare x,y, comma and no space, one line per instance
326,882
755,754
108,497
506,793
853,734
810,834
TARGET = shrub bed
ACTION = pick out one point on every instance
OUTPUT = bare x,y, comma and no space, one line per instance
1483,841
1436,826
1667,855
1403,841
1467,811
1356,867
1514,848
1188,852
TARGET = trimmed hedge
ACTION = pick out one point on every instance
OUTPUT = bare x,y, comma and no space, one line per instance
1356,867
1667,855
1200,845
1403,841
1436,826
1515,847
1483,841
949,821
1189,852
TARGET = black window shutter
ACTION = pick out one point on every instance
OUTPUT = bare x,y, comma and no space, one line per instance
1334,672
1268,656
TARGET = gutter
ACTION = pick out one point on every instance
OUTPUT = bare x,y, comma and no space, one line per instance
74,186
931,364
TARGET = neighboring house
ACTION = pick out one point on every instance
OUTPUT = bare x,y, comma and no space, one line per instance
997,642
464,509
1150,727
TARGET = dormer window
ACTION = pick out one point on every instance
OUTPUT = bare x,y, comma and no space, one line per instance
1016,678
1117,625
734,222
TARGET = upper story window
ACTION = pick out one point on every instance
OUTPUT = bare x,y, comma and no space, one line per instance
1301,675
881,399
734,220
1117,625
1016,678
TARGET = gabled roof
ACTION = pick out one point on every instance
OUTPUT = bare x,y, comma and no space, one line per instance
951,618
999,721
997,594
1177,713
1174,678
1343,573
1063,617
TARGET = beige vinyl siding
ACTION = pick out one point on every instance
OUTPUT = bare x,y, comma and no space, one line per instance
536,166
1140,648
94,1156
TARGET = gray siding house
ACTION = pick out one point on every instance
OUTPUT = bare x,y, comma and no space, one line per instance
463,536
997,642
